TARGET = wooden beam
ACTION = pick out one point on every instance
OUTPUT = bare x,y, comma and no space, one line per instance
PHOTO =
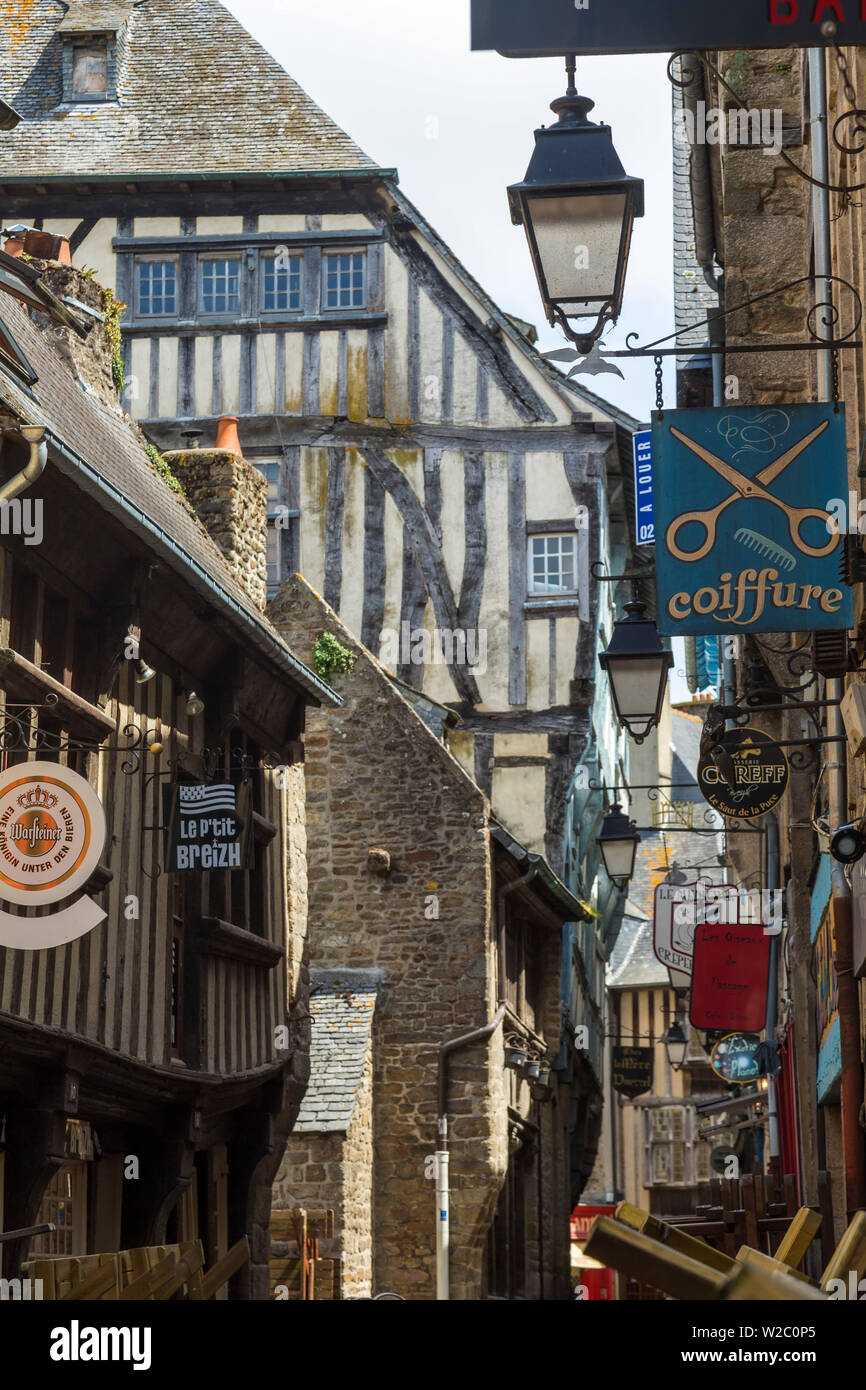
675,1239
799,1236
641,1257
850,1253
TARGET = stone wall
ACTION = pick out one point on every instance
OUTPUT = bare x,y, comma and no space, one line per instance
230,499
336,1171
377,779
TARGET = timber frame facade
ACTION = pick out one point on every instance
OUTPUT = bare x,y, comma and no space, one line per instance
428,470
149,1071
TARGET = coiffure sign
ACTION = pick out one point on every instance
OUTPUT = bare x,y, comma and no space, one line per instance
745,539
52,835
533,28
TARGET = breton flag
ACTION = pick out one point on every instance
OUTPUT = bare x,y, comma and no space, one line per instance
207,800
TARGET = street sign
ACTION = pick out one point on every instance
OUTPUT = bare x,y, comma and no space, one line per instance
729,980
644,527
632,1071
735,1058
748,777
677,907
533,28
746,507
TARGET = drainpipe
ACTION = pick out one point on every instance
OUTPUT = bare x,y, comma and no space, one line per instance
34,434
771,825
840,892
443,1191
443,1194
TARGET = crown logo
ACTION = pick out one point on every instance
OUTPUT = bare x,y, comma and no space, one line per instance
38,799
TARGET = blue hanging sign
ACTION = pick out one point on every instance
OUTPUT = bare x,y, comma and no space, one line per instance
645,531
746,513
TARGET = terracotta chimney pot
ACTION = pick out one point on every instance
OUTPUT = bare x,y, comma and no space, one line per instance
227,435
45,246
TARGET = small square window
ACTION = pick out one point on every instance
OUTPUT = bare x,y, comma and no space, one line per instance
552,565
157,288
345,281
281,284
90,69
220,286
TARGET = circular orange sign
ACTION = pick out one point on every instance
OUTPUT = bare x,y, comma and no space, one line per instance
52,833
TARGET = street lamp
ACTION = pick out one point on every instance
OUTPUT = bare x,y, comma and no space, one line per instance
675,1042
618,842
638,666
577,206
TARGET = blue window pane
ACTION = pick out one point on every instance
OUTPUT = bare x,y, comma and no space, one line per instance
345,281
157,287
220,286
282,283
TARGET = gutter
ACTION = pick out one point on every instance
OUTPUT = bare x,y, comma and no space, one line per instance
542,870
195,574
209,176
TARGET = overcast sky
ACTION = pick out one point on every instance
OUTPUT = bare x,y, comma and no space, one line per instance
399,76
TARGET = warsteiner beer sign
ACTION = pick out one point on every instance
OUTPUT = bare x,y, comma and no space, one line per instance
748,775
746,519
52,835
527,28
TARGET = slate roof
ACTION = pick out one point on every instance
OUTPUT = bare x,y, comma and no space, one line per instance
342,1004
101,450
196,94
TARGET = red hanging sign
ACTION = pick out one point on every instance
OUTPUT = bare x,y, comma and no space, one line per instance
731,971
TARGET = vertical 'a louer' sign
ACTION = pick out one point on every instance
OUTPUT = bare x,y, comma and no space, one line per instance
529,28
52,835
747,526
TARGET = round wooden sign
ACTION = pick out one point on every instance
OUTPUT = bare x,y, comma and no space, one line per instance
744,775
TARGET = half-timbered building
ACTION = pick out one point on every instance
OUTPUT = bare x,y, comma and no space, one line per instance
429,473
149,1069
447,491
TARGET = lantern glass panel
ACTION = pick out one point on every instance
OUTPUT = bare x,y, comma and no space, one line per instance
636,683
578,239
618,856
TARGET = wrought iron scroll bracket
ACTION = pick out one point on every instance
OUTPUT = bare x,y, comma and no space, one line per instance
854,113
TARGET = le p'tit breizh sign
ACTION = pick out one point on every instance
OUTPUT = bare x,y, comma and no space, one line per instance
203,828
729,977
748,537
532,28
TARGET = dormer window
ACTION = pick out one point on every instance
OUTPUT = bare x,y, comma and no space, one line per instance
90,70
91,32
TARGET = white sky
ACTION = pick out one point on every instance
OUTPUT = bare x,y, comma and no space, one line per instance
399,77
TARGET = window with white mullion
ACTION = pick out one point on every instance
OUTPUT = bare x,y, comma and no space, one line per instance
157,288
344,280
552,565
220,280
281,283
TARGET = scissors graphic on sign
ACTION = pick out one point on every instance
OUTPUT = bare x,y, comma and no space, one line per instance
749,488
